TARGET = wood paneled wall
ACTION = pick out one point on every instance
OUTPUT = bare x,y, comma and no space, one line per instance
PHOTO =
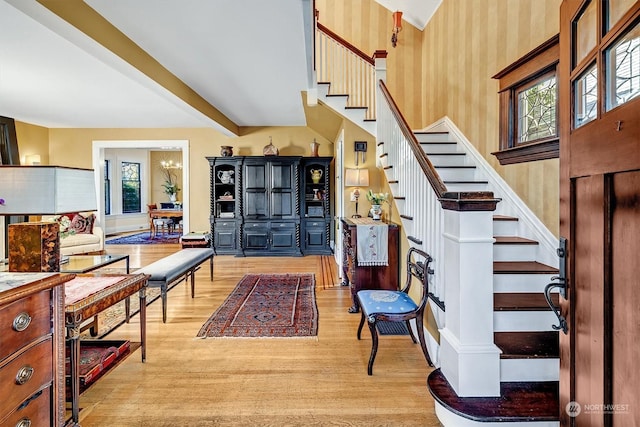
446,70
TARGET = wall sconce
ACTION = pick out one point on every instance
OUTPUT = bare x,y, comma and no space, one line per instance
360,150
170,165
397,27
356,178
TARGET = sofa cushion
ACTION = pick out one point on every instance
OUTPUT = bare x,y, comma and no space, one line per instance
79,240
65,222
82,224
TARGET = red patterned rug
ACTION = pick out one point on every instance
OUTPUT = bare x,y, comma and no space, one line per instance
267,305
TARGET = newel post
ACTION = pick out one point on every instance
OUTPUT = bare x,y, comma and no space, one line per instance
380,73
469,358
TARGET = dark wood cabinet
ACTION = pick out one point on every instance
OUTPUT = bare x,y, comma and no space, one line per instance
270,205
368,277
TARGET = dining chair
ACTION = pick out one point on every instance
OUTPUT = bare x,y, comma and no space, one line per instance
397,306
158,224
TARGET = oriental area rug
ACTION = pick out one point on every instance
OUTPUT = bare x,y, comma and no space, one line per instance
267,306
145,239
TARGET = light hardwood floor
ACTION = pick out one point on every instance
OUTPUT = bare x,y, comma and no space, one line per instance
320,381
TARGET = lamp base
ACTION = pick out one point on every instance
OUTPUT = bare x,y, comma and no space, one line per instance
356,216
34,247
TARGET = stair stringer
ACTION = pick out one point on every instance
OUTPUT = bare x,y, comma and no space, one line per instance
529,225
338,103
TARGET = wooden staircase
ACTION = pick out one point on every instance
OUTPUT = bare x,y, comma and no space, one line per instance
529,363
523,251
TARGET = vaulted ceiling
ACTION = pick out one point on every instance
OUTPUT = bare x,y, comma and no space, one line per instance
160,63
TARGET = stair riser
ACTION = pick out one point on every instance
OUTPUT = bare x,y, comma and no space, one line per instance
433,137
514,252
451,419
456,174
517,370
513,321
447,160
505,228
506,283
466,187
440,148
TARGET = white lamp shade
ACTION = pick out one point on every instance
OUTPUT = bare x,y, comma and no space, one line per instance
46,190
356,178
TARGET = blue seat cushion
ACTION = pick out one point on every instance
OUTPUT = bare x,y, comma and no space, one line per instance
379,301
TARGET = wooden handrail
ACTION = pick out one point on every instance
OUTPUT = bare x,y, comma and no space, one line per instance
345,43
432,176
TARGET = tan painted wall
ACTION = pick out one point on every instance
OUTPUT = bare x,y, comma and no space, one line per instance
446,70
73,147
32,139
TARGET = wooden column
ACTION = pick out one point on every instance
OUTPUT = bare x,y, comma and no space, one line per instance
469,358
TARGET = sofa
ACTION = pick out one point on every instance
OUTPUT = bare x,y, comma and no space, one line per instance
80,233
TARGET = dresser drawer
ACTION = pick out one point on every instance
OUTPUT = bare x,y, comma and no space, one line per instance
24,321
35,410
34,368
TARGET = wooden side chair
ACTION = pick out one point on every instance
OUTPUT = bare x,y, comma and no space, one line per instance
158,224
397,306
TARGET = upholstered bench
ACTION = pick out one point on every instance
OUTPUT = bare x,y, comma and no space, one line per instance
174,267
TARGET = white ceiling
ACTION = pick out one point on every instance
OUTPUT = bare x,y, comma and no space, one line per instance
247,58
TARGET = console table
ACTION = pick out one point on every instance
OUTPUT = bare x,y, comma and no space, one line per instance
86,296
359,277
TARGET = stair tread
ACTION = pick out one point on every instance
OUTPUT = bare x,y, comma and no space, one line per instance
522,301
522,267
466,182
504,218
528,345
514,240
518,401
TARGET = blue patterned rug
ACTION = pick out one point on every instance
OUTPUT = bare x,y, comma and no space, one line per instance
144,239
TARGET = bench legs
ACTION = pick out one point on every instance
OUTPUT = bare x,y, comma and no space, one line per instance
188,276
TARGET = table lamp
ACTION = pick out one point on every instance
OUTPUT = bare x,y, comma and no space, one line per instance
42,190
356,178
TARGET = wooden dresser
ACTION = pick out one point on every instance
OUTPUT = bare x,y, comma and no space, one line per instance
32,349
368,277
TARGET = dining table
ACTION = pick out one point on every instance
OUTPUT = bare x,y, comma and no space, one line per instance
162,213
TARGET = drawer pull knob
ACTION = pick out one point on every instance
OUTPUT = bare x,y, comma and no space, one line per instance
24,374
25,422
21,322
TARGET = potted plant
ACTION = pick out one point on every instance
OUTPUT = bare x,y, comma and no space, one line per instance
376,200
170,184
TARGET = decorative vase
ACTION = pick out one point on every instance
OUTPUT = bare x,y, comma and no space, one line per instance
316,175
172,198
376,212
314,148
226,151
270,149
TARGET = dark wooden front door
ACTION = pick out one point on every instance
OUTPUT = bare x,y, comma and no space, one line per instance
600,211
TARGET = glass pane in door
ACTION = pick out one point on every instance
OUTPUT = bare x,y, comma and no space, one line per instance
586,34
615,10
585,89
623,63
